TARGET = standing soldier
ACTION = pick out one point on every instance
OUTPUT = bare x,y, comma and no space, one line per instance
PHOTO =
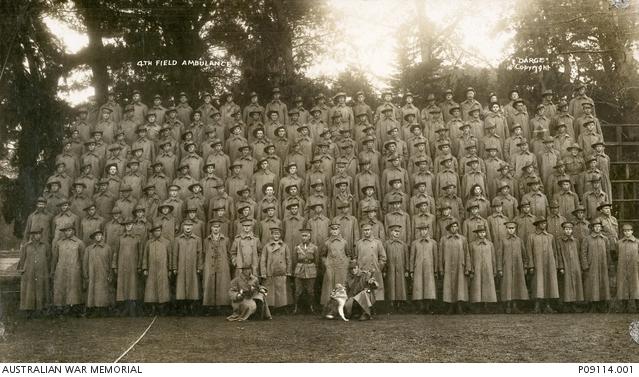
543,266
216,275
569,267
244,248
33,266
40,219
371,256
306,257
484,269
628,269
396,270
156,266
455,264
66,269
187,252
127,264
511,260
594,263
423,267
96,270
276,267
277,106
335,255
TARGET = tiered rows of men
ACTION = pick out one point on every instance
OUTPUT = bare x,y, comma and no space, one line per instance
453,202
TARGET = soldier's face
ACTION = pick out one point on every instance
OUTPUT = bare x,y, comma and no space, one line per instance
481,234
183,99
596,228
173,193
370,191
360,98
139,214
246,228
215,228
306,237
568,230
64,207
269,191
188,228
454,228
371,214
395,233
627,232
366,232
334,231
36,236
91,211
270,212
423,208
511,229
294,210
526,209
449,96
470,94
276,235
68,232
387,98
606,210
245,212
565,186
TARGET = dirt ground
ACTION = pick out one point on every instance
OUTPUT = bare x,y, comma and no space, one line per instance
306,338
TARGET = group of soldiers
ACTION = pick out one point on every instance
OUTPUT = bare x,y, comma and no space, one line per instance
453,202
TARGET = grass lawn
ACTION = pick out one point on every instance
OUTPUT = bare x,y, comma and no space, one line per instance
388,338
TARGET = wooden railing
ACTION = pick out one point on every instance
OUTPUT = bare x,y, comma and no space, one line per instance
622,145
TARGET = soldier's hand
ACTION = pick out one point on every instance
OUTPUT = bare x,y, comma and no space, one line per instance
199,272
146,272
407,274
174,272
500,273
561,271
531,270
115,271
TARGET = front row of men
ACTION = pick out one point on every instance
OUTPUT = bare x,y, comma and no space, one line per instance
186,273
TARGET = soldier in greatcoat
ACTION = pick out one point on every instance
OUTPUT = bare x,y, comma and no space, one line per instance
396,271
484,269
247,297
66,269
33,266
571,286
127,265
276,268
335,255
216,273
512,258
97,274
187,252
595,257
423,267
156,267
628,268
244,250
543,266
455,264
371,256
39,219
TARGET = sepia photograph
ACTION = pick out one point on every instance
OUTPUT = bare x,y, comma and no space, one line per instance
318,181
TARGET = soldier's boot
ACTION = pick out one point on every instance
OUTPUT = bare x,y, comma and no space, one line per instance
486,308
516,309
508,307
458,308
537,307
451,308
420,307
311,308
295,309
548,309
592,307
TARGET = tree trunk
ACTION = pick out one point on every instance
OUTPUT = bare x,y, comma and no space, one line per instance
91,11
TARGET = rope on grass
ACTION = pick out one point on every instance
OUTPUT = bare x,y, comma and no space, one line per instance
138,340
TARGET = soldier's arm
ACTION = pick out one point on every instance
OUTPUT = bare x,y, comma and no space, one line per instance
85,265
200,255
23,257
263,262
381,255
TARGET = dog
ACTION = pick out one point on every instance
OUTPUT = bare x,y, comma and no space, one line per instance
336,304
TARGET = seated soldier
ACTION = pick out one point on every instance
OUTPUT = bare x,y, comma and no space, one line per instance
247,297
359,288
